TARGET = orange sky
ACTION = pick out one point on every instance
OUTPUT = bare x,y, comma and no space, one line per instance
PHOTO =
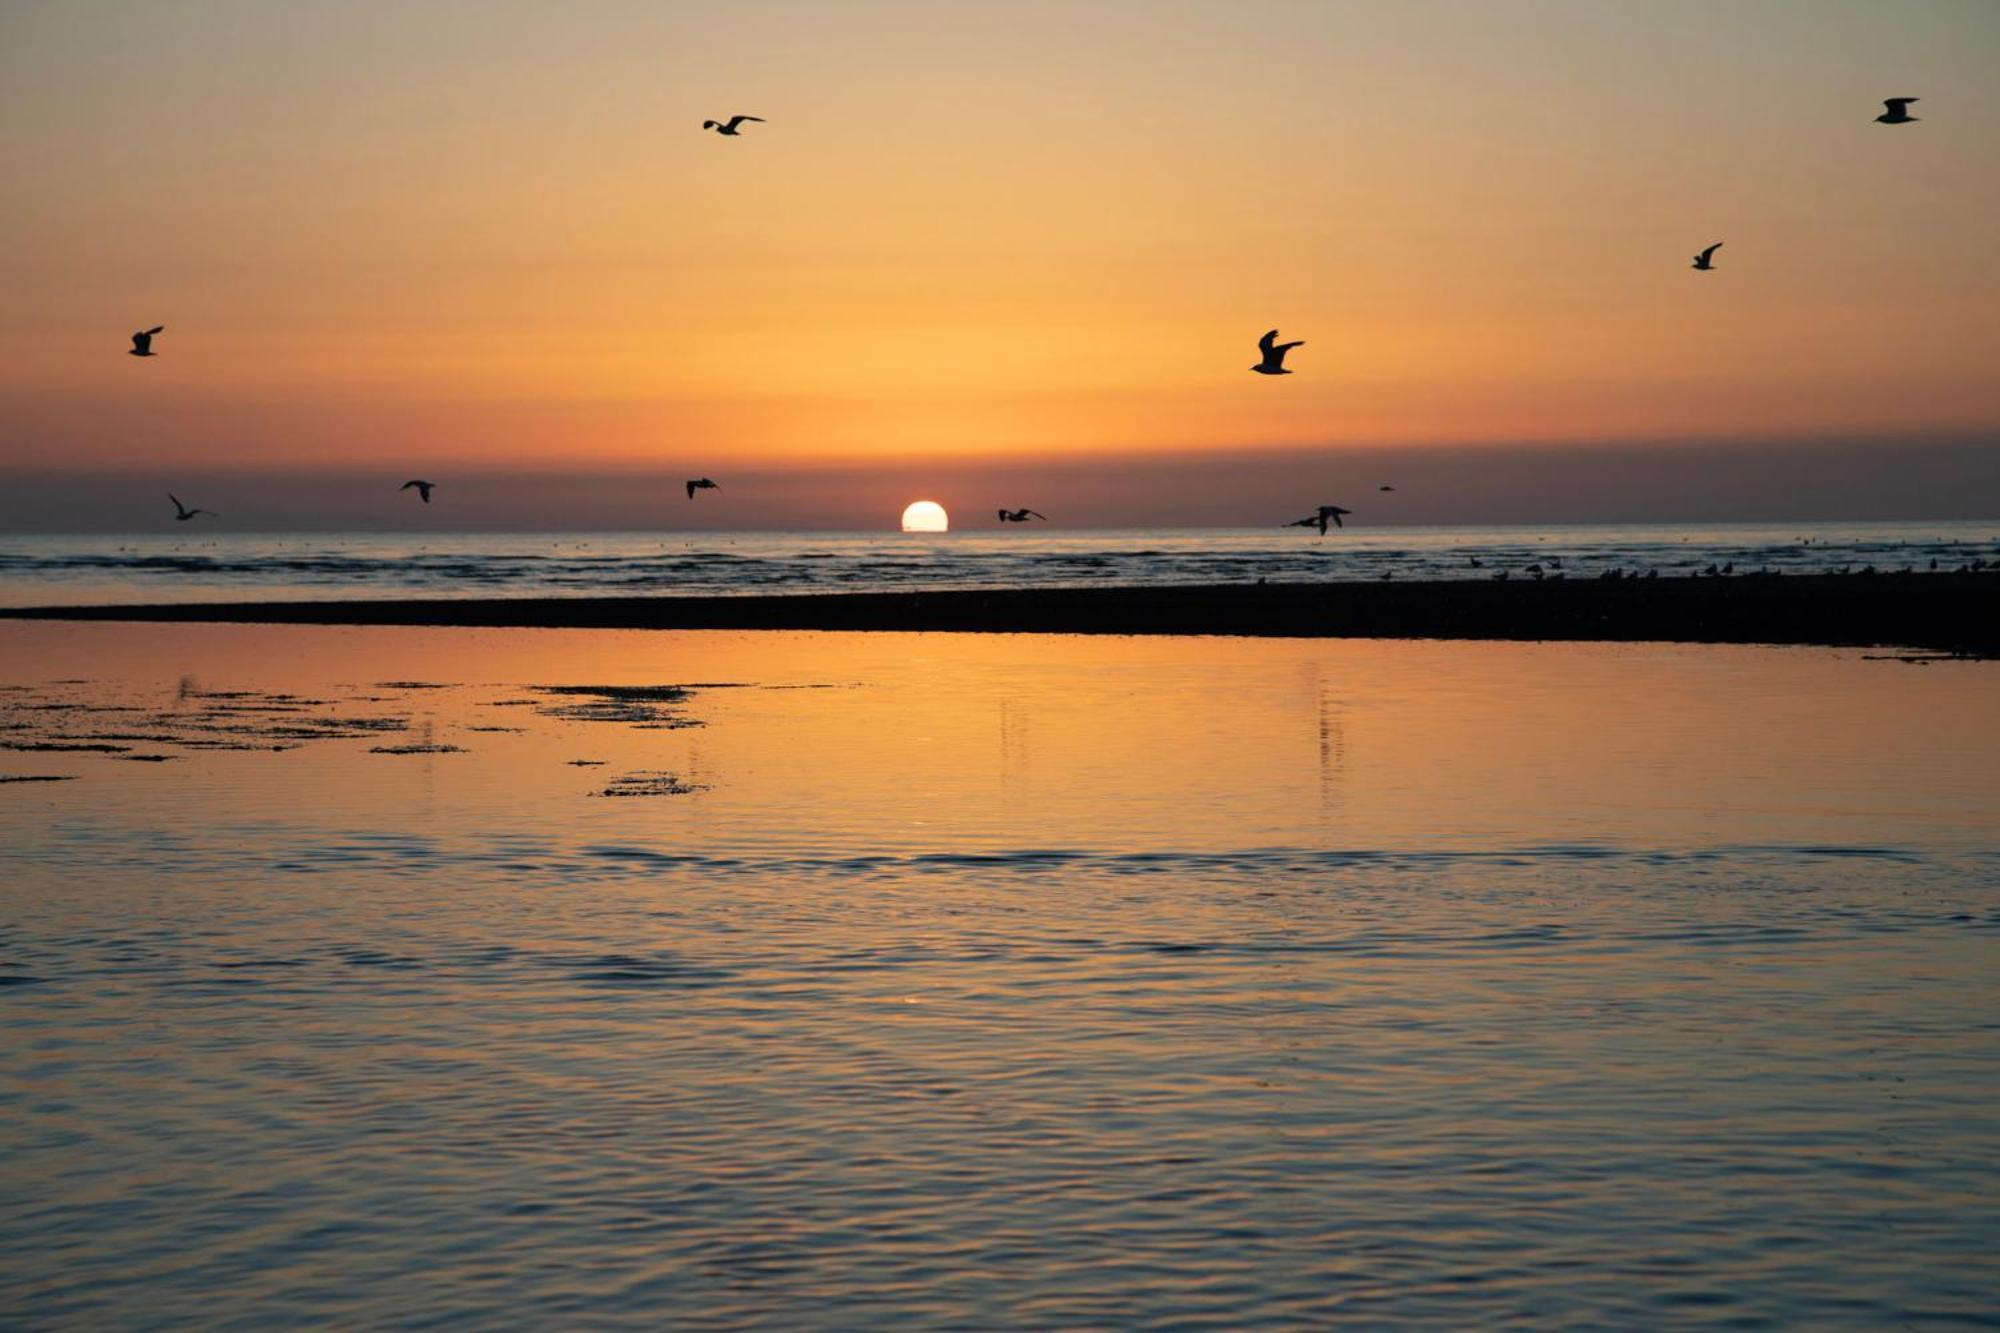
494,236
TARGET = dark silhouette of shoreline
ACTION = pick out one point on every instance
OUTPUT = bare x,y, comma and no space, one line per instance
1946,612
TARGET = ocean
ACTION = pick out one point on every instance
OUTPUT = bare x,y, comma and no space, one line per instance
373,977
208,564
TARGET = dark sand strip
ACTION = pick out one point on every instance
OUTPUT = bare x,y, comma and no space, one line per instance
1948,612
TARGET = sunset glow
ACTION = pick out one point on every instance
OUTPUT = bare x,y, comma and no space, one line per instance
1448,774
522,254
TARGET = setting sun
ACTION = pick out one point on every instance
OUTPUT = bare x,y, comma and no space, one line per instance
1403,801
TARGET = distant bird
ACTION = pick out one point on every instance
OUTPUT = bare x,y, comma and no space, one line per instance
1274,354
729,127
1475,562
701,484
423,489
182,513
1319,520
142,343
1020,515
1706,259
1898,112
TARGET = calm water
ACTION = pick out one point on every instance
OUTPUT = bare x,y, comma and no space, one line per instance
532,979
212,564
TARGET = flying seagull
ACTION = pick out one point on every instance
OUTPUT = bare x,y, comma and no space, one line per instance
1385,488
1020,515
729,127
701,484
423,489
142,343
182,513
1320,519
1706,259
1274,354
1898,112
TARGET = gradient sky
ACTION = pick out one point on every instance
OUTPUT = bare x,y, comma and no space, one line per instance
986,245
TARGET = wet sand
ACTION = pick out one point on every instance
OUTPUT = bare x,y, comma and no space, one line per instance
1946,612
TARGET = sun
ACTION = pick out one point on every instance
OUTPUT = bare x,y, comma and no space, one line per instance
926,516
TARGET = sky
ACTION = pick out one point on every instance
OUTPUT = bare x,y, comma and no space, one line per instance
997,253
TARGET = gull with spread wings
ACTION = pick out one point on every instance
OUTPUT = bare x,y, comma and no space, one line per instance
1274,354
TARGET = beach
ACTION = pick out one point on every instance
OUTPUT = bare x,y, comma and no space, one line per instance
949,667
1941,612
367,975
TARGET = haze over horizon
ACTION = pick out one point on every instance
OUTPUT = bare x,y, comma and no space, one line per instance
1026,247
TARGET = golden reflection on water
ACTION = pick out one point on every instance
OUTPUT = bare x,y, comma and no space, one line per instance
326,1034
957,743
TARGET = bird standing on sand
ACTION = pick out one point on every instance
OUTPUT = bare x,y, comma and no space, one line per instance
731,126
423,489
182,513
1020,515
1274,354
1705,261
1898,112
1319,520
701,484
142,343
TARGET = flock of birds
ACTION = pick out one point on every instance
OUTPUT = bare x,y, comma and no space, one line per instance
1271,361
1550,569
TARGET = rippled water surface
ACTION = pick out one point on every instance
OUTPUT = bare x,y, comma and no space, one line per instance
392,977
220,565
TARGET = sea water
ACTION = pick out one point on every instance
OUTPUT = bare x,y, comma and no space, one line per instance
369,977
208,563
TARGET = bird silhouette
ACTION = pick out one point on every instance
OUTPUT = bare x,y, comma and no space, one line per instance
1319,520
701,484
1020,515
423,489
1706,259
1385,488
182,513
730,126
1274,354
142,343
1898,112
